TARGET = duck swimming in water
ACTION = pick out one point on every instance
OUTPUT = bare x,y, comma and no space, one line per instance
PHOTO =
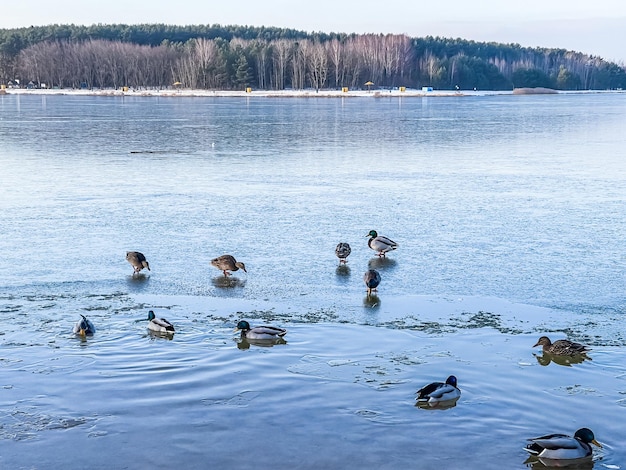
84,327
561,347
260,332
563,447
160,325
436,392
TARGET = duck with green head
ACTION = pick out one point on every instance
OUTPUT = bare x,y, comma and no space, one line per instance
260,332
562,446
379,243
159,325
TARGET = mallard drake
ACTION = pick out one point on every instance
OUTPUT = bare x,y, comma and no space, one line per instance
160,325
563,447
228,263
342,251
561,347
84,327
137,260
260,332
380,244
371,279
436,392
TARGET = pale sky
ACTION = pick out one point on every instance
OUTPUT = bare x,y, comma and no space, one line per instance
593,27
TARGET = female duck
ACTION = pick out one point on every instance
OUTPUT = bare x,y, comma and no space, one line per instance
160,325
137,260
227,263
342,251
260,332
84,327
563,447
561,347
380,244
436,392
372,280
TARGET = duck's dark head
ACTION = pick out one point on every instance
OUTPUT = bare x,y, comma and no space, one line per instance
243,325
372,234
451,380
586,435
151,315
83,326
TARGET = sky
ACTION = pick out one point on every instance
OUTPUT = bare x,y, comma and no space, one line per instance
594,27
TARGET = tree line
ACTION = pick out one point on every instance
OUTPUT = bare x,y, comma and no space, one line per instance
236,57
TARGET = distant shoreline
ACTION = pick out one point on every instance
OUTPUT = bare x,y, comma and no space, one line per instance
308,93
186,92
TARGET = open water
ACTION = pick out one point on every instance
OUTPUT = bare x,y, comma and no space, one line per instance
509,212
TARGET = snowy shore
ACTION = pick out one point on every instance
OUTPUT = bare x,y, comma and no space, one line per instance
308,93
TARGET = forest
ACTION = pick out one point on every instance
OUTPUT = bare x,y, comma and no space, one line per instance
237,57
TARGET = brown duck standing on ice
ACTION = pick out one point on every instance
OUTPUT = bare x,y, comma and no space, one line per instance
137,260
228,263
371,279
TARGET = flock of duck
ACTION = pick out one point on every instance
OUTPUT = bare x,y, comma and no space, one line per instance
552,449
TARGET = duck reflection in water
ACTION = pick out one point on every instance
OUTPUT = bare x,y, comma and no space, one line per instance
566,361
371,301
137,282
343,270
441,405
227,282
537,463
244,343
382,263
156,335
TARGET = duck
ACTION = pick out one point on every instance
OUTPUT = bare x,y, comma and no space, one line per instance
342,251
160,325
436,392
228,263
380,244
84,327
563,447
260,332
561,347
137,260
372,280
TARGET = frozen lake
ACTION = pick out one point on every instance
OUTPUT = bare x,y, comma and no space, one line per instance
509,215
